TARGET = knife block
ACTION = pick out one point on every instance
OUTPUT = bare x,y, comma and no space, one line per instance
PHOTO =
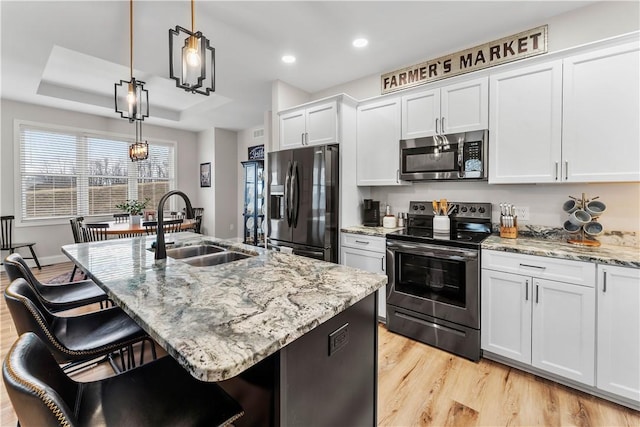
510,232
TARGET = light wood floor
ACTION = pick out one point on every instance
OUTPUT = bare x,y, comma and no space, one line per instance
423,386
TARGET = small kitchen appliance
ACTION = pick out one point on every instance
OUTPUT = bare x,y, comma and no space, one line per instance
455,156
433,289
371,213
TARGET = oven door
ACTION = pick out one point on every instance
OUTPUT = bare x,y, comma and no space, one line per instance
433,280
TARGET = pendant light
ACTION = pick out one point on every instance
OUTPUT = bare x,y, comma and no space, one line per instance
131,98
191,59
139,150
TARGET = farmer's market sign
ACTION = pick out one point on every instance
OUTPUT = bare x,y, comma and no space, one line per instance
522,45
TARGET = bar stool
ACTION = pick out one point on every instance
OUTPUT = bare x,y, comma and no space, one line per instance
75,340
58,297
160,393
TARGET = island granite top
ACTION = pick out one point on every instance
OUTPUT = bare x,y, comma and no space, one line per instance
606,254
217,321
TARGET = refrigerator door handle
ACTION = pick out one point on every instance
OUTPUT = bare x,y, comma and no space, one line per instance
287,204
295,196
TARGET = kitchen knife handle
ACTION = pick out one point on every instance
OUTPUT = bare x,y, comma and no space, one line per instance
436,125
526,291
556,171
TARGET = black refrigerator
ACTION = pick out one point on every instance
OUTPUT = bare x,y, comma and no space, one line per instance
303,201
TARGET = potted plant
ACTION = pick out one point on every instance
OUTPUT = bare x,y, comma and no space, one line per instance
134,208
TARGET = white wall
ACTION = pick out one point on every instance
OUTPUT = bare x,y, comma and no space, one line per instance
225,183
50,238
206,195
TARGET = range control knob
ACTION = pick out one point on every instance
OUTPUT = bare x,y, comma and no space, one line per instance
463,209
481,209
415,207
421,207
472,209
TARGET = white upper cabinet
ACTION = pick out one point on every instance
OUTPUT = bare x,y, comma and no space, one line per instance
378,143
601,115
619,331
310,125
525,124
459,107
575,119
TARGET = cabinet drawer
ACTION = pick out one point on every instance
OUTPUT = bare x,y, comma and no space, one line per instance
576,272
361,241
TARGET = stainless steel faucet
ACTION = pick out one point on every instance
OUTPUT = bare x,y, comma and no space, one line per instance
161,251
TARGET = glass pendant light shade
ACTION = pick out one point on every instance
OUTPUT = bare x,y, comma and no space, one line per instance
192,61
132,99
139,150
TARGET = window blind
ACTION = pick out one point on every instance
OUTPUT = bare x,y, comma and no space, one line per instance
68,173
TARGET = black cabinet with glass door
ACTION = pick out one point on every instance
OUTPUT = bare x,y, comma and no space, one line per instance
253,210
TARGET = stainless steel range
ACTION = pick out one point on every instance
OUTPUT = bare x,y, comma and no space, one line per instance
433,293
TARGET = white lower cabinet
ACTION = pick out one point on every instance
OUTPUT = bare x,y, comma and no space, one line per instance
366,253
618,295
531,319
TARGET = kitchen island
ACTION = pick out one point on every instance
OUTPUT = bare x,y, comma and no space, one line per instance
292,338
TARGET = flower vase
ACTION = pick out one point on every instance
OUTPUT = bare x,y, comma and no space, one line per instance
135,219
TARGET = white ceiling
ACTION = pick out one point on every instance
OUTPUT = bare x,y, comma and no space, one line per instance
69,54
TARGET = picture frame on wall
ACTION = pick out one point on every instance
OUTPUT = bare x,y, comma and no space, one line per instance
205,174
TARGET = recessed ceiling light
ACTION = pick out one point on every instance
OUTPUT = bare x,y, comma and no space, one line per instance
360,42
288,59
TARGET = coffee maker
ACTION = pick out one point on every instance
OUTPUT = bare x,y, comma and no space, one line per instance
371,213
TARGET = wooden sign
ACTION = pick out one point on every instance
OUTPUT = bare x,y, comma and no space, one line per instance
256,152
518,46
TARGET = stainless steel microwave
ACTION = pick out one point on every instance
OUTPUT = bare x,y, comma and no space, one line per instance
445,157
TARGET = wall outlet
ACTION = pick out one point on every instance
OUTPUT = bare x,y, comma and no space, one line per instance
522,212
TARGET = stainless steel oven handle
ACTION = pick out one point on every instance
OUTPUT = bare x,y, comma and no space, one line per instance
434,251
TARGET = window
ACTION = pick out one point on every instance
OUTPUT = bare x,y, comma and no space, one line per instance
72,172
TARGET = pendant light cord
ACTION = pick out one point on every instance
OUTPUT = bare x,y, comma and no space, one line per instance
193,18
131,39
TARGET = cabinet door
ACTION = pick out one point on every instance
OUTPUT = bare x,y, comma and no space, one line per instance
465,106
322,124
601,123
563,332
292,129
373,262
506,315
525,124
378,143
419,114
619,331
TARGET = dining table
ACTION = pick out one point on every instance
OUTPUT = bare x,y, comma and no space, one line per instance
127,228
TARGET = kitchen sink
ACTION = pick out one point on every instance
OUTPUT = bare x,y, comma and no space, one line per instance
215,259
193,251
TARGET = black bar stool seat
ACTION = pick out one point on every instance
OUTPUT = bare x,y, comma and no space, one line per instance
160,393
57,297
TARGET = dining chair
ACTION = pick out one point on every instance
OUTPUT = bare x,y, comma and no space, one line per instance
78,237
121,217
6,239
58,297
95,232
75,340
170,226
159,393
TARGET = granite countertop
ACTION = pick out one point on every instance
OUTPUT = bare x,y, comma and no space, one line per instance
605,254
369,231
217,321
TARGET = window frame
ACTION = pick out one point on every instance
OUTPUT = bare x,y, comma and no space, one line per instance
132,177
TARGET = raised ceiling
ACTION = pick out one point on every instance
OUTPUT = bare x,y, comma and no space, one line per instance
68,54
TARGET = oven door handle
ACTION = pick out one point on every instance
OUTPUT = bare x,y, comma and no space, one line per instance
433,251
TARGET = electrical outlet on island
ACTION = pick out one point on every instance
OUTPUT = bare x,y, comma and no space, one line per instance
522,212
